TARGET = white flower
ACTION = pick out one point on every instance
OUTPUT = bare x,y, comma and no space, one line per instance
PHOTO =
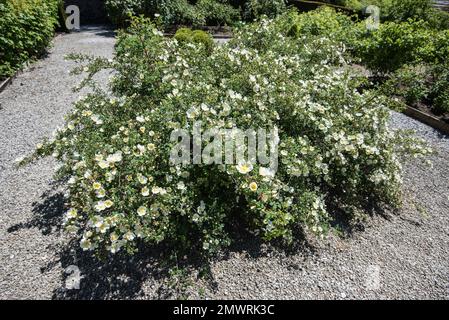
85,244
108,203
101,193
181,185
141,148
100,206
103,164
96,186
115,247
158,190
142,179
145,191
253,186
140,119
192,113
244,167
113,237
95,118
141,211
266,172
116,157
72,213
129,236
72,180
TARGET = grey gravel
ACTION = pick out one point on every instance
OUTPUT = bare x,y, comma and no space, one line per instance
401,255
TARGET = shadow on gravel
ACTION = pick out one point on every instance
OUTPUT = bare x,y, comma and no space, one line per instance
47,215
151,270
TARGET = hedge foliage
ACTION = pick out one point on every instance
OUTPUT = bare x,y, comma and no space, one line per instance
194,12
26,29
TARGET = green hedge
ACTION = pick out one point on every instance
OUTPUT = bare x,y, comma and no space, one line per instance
26,29
194,12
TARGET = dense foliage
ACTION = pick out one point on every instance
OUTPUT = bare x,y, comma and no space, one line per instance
194,12
403,10
336,150
410,55
26,29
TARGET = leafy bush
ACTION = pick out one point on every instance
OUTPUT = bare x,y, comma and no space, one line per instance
26,29
394,45
411,83
254,9
174,12
336,150
195,36
403,10
324,21
218,13
119,11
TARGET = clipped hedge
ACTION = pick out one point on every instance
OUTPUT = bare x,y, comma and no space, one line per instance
26,29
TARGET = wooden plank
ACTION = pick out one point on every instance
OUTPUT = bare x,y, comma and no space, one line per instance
428,119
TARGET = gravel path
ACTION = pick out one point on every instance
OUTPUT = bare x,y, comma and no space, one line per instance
397,256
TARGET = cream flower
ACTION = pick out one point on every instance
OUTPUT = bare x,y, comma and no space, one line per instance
181,185
96,186
142,179
103,164
266,172
116,157
108,203
158,190
244,167
253,186
100,206
141,211
72,213
113,237
129,236
85,244
145,191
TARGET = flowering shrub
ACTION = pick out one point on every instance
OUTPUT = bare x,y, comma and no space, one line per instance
336,149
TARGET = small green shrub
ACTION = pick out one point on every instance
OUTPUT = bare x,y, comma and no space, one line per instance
324,21
195,36
394,45
26,29
336,148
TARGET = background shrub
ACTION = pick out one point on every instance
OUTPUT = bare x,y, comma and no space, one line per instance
403,10
195,36
253,9
26,29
